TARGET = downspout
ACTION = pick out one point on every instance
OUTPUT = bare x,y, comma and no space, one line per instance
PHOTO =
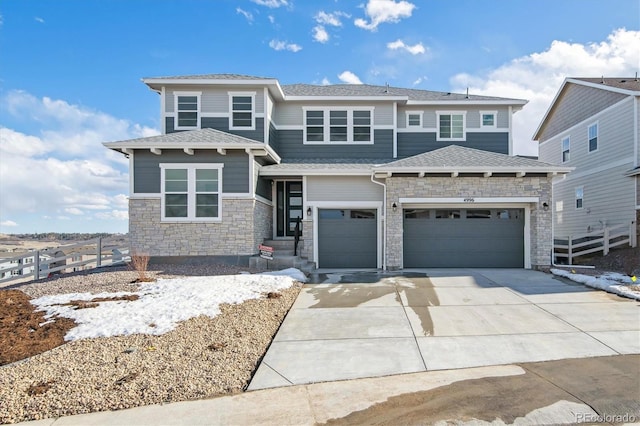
384,228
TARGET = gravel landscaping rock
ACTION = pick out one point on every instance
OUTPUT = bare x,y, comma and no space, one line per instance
202,357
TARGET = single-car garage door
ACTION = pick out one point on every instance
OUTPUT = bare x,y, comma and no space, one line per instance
451,238
347,238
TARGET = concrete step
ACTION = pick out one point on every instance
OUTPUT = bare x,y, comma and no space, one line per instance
280,244
281,262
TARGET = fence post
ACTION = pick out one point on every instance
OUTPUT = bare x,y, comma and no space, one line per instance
633,238
569,250
99,253
605,236
36,265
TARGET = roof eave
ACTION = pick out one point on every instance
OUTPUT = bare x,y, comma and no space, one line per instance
345,98
156,84
446,169
509,102
317,172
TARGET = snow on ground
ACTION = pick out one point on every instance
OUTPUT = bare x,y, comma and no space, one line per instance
611,282
294,273
161,305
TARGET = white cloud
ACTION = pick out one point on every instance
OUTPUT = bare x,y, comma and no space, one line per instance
61,169
246,14
320,34
332,19
538,76
39,19
381,11
419,80
283,45
271,3
325,81
349,78
416,49
8,223
114,214
272,19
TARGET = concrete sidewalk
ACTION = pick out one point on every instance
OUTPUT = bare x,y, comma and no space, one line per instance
371,324
593,390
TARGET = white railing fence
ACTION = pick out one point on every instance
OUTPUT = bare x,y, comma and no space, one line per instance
593,242
88,254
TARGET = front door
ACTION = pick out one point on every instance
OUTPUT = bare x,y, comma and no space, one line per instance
288,207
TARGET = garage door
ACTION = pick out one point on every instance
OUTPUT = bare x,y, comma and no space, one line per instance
449,238
347,238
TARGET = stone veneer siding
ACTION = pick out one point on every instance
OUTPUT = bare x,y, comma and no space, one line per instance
245,224
474,187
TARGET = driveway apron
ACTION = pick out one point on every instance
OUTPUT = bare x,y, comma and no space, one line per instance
348,325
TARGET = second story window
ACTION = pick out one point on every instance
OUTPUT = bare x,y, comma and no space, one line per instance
566,145
187,110
338,126
242,111
593,137
414,119
488,119
451,126
579,197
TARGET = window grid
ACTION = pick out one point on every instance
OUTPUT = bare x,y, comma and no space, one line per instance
566,148
187,110
593,137
191,192
451,126
338,126
579,197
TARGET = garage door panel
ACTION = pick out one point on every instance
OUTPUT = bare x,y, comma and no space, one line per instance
346,239
432,241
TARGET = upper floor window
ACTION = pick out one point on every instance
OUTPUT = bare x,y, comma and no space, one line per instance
566,145
414,119
579,197
338,126
488,119
191,192
242,107
593,137
187,110
451,126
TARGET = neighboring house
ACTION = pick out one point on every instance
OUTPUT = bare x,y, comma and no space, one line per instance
382,177
593,125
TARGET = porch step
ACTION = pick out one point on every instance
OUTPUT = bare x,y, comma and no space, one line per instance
280,244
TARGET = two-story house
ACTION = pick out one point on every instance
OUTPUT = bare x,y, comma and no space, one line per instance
593,125
381,177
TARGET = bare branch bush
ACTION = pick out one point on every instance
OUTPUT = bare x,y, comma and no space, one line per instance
140,264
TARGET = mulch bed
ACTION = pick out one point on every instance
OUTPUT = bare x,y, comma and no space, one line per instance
21,333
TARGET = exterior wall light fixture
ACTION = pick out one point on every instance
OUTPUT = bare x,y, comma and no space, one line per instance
394,206
308,211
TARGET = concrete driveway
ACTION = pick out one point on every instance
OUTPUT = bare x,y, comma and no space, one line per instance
370,324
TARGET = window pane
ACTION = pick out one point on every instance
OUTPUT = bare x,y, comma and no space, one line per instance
242,103
187,103
175,211
445,126
414,119
242,119
175,174
207,186
447,214
175,205
315,134
175,186
361,134
363,214
478,214
457,127
338,134
207,174
338,118
361,118
206,205
417,214
488,119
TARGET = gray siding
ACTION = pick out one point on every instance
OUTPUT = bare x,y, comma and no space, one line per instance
410,144
343,188
290,146
429,115
291,113
222,123
575,104
273,138
146,168
263,188
215,100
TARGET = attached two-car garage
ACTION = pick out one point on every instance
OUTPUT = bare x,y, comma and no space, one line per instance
457,237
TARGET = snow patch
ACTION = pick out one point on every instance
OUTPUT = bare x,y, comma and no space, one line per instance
294,273
610,282
161,305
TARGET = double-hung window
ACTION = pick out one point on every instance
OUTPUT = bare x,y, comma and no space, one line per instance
339,126
414,119
593,137
191,192
451,126
579,197
187,109
566,148
242,107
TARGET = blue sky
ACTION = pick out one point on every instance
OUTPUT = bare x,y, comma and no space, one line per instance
70,73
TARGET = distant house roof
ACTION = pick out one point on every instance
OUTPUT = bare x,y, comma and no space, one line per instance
455,158
193,139
624,85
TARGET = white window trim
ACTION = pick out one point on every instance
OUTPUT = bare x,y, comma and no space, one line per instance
191,191
575,204
495,119
327,125
177,112
464,125
253,110
597,124
562,150
420,114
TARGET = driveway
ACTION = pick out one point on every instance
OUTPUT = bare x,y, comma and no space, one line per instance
368,324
